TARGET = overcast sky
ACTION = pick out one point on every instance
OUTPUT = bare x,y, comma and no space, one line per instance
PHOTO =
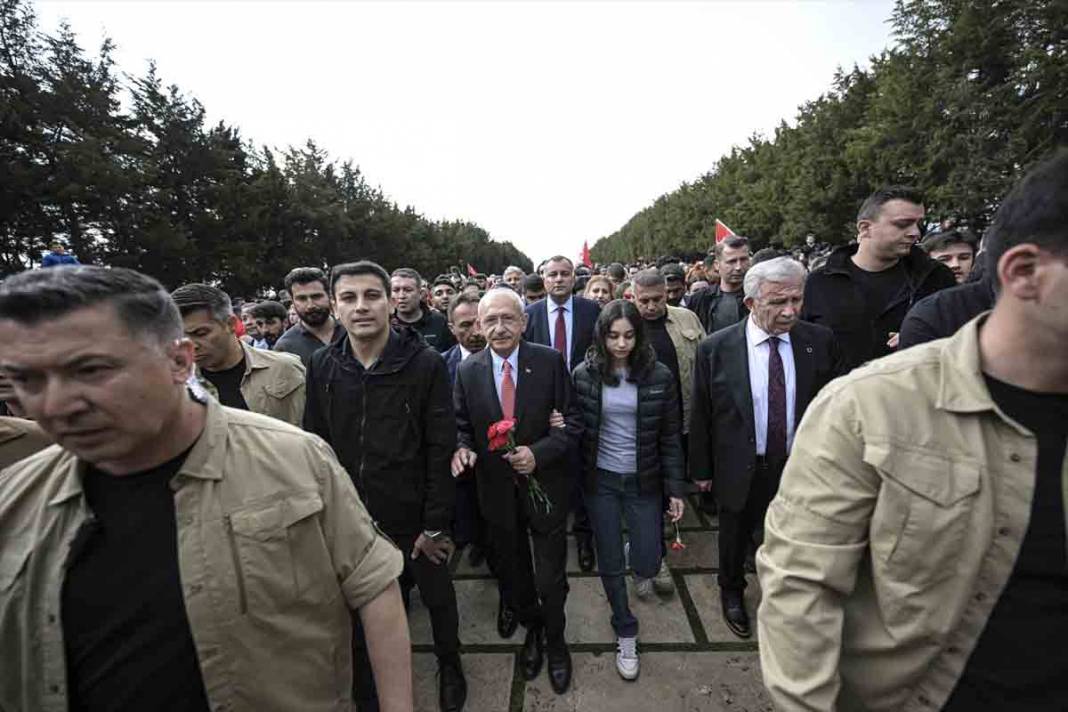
547,123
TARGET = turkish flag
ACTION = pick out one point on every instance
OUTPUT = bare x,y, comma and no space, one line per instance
722,231
471,271
586,254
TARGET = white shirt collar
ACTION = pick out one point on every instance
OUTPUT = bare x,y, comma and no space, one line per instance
757,336
566,305
464,353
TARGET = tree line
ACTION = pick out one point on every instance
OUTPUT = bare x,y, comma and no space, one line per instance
970,95
127,172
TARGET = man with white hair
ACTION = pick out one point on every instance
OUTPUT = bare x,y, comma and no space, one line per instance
754,380
515,379
513,277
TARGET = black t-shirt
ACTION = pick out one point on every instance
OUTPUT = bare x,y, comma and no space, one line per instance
1020,661
730,309
228,383
127,637
881,289
665,349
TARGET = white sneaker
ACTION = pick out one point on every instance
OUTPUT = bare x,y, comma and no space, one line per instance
662,582
627,658
643,587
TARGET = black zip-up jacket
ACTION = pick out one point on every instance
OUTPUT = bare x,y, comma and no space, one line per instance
392,427
659,458
835,300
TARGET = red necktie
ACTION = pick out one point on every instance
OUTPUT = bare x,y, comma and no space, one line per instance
560,342
507,391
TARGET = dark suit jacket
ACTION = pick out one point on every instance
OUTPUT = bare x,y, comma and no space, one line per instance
722,432
452,361
583,320
544,385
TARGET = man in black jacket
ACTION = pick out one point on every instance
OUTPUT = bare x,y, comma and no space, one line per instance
722,304
516,379
381,398
864,290
942,313
754,381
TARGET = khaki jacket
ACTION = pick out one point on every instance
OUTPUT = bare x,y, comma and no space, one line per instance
897,525
686,333
274,550
273,384
19,439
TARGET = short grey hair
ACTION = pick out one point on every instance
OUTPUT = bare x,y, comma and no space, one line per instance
502,290
780,269
649,278
512,268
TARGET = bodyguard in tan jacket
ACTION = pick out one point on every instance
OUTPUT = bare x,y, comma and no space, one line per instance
234,373
914,557
167,553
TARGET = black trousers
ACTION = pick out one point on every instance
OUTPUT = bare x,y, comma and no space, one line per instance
468,525
738,530
438,595
531,570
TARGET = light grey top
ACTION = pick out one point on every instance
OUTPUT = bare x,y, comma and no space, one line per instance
618,444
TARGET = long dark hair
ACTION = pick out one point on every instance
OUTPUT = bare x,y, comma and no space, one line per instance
641,359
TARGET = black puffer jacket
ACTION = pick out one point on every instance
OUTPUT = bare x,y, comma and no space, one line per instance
392,427
660,461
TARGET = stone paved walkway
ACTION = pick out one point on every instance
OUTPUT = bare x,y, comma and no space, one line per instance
690,662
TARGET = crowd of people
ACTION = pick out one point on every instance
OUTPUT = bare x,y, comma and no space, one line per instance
241,496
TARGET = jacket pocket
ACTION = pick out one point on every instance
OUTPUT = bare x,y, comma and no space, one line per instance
281,388
923,511
280,555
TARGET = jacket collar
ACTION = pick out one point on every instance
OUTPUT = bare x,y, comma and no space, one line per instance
916,263
254,360
962,388
204,461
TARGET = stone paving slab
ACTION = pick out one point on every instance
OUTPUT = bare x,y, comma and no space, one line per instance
662,620
702,550
489,681
669,682
705,594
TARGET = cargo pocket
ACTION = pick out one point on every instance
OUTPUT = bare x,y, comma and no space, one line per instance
280,555
924,508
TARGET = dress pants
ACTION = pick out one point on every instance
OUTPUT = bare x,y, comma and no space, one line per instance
438,595
535,587
468,525
737,529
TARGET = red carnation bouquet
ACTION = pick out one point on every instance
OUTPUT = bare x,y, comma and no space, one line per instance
502,437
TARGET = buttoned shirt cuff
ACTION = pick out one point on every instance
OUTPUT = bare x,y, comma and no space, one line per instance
381,564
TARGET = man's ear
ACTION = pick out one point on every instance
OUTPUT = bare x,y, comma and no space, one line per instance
180,355
863,228
1017,272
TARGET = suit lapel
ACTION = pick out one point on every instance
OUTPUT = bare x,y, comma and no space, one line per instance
804,373
736,363
526,385
576,328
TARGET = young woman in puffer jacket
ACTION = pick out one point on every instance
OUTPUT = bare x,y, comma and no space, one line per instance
632,454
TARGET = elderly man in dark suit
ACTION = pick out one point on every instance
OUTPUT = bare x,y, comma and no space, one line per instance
516,379
565,322
752,383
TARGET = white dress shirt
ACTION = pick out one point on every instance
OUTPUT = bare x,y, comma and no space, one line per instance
569,312
759,350
464,353
498,370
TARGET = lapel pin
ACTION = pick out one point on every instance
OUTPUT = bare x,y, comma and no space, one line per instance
527,370
808,349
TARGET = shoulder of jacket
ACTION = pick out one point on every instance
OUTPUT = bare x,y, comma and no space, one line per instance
33,473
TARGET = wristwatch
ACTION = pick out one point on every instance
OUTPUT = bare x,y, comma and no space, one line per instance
433,536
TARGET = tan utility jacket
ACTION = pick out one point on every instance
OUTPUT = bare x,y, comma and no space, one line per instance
20,438
274,549
273,384
686,333
897,525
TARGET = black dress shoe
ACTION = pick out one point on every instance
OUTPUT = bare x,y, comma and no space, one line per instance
475,556
559,668
452,687
506,620
734,613
530,656
586,559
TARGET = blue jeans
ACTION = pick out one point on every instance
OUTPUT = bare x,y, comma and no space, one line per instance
618,496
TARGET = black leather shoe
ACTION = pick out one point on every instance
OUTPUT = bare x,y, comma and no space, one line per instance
475,556
506,620
452,687
586,559
734,613
530,656
559,669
